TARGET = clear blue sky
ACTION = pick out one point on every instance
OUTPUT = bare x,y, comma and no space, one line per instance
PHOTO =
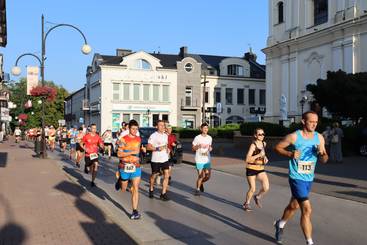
206,26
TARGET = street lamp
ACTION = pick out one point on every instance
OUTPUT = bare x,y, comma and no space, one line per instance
148,113
86,49
302,102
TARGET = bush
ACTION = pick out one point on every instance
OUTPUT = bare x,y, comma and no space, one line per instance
270,129
226,133
188,133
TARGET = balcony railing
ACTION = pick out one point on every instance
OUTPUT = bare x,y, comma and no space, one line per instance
193,104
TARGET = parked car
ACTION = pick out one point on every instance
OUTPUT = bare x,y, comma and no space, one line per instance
145,133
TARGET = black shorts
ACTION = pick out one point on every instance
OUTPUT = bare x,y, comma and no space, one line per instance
79,148
107,144
157,167
46,137
252,172
89,162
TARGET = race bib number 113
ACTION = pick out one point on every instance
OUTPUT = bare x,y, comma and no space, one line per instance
306,167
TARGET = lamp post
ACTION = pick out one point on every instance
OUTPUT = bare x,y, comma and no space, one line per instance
203,120
86,49
148,113
302,102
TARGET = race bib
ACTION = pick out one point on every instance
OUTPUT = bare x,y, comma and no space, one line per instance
129,168
93,156
306,167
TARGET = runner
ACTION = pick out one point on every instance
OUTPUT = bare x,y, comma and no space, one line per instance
129,166
72,135
63,138
256,159
79,149
309,146
107,139
172,142
202,145
90,144
17,133
52,137
157,143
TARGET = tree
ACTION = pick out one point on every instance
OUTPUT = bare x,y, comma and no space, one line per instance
342,94
53,110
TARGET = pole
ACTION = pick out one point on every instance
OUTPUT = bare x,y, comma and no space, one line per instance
44,154
204,88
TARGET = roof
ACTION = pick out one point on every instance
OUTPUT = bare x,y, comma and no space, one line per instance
169,61
74,93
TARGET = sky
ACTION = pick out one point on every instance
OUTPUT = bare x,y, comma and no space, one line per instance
214,27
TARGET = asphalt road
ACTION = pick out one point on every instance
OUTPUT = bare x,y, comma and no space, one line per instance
216,217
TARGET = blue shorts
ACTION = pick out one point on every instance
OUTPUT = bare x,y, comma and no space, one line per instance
128,176
201,166
73,145
300,189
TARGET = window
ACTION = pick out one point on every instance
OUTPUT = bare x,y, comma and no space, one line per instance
262,95
156,93
126,118
116,91
143,64
240,96
280,12
126,94
229,96
136,91
251,96
235,70
188,67
320,11
146,92
217,95
188,96
155,119
165,93
206,95
136,117
165,117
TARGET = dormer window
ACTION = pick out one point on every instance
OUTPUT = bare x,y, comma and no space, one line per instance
235,70
143,64
280,12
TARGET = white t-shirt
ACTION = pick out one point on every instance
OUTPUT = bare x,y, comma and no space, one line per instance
203,153
158,140
126,132
17,132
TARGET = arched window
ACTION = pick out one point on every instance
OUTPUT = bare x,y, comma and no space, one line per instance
143,64
320,11
280,12
235,70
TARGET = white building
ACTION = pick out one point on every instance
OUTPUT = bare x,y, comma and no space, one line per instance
152,86
306,39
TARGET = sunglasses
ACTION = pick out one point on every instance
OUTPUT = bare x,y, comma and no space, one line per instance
260,134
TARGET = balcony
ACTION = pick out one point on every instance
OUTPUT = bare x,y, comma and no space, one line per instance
190,105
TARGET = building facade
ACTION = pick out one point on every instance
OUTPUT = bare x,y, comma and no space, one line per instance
152,86
307,39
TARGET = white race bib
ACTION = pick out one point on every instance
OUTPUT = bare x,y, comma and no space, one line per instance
93,156
129,168
306,167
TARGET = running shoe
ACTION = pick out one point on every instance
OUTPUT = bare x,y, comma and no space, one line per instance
196,193
202,188
164,197
92,184
151,194
247,207
117,185
257,201
135,215
278,232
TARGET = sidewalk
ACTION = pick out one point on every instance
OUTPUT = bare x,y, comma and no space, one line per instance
40,205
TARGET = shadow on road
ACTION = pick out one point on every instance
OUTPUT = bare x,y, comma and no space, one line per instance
3,159
99,231
180,232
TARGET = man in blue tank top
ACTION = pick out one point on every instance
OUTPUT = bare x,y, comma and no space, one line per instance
308,147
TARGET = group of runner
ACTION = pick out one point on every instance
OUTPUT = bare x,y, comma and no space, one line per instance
304,148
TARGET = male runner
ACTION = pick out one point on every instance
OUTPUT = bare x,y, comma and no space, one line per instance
158,144
90,144
309,146
129,167
202,145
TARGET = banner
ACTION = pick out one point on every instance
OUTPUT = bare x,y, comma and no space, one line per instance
115,122
32,78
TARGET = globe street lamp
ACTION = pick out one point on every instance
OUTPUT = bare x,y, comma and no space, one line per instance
302,102
86,49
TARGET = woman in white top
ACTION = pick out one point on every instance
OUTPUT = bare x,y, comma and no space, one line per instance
202,145
107,139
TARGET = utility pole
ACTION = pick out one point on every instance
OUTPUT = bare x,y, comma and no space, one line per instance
204,88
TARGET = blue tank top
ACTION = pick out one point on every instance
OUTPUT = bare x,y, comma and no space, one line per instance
304,167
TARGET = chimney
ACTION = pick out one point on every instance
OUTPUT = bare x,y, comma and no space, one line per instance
123,52
250,56
183,52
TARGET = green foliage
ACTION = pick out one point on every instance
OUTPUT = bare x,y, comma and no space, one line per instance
53,110
344,95
270,129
